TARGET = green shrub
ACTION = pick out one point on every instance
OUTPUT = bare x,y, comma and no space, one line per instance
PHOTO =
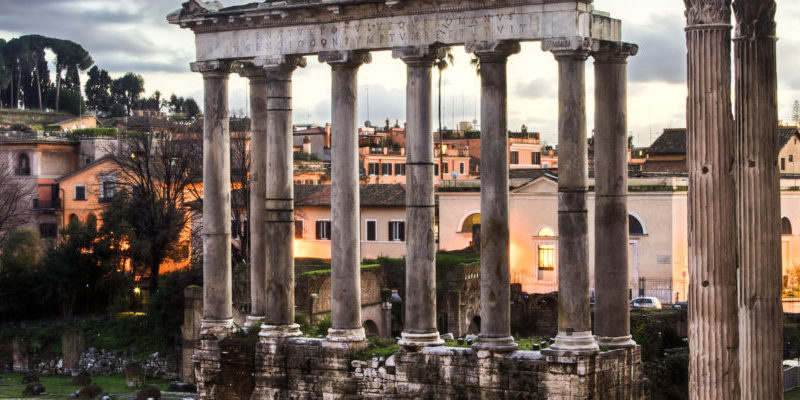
95,132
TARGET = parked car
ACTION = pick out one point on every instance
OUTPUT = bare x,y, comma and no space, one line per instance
646,302
681,304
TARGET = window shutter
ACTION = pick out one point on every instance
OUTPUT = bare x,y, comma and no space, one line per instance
319,230
389,169
391,234
402,229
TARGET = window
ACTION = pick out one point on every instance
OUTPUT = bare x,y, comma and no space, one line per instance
783,164
786,226
80,192
372,168
461,168
436,169
73,219
546,256
47,230
400,169
536,157
298,229
23,165
791,157
469,222
386,169
323,229
635,226
109,188
372,230
397,231
514,157
445,168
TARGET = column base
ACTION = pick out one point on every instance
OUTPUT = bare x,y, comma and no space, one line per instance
253,321
575,343
279,331
216,327
346,339
495,344
416,341
615,342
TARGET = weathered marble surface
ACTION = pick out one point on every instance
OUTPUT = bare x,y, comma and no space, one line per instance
524,22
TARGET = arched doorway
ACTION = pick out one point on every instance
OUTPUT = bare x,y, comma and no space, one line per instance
371,328
786,226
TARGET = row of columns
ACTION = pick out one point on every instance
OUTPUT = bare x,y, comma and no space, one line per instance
735,333
272,211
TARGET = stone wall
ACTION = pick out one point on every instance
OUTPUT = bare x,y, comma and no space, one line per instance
302,368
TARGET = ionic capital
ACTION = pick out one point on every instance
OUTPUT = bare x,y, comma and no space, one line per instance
708,12
212,68
282,63
345,58
613,52
493,51
754,19
250,71
569,47
423,55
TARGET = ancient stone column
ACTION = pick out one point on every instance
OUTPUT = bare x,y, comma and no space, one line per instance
495,237
346,330
574,319
612,312
758,202
419,325
279,211
713,322
258,172
217,296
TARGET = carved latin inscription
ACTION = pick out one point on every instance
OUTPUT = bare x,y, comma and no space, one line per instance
511,23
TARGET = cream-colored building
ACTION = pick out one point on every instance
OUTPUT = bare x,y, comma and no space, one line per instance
383,215
658,258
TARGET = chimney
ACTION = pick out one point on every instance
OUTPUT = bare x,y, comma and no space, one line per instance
328,135
307,145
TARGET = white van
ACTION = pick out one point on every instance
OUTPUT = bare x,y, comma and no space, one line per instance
646,302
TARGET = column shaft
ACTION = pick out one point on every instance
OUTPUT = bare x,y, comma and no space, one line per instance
574,319
495,237
419,326
217,295
279,211
345,201
258,187
758,203
713,322
612,312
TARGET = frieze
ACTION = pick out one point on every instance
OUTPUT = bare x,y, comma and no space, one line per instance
524,23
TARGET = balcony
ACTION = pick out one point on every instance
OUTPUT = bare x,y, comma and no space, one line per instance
46,204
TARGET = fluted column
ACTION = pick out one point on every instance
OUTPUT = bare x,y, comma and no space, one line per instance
419,326
258,185
758,202
495,238
713,334
346,330
612,312
574,319
279,211
217,295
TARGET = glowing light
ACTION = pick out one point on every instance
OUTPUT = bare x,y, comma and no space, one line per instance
137,290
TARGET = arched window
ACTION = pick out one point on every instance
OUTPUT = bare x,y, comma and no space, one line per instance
469,222
91,220
635,226
23,164
73,219
786,226
546,232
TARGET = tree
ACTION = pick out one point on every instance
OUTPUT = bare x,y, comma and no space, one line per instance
155,171
98,90
15,200
127,89
20,250
190,108
5,72
441,64
72,57
796,112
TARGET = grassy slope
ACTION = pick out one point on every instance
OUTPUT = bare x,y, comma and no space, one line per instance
61,387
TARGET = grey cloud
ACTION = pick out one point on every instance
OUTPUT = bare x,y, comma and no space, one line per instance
662,50
536,89
383,103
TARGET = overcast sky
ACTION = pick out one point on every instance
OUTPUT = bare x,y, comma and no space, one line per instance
133,35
